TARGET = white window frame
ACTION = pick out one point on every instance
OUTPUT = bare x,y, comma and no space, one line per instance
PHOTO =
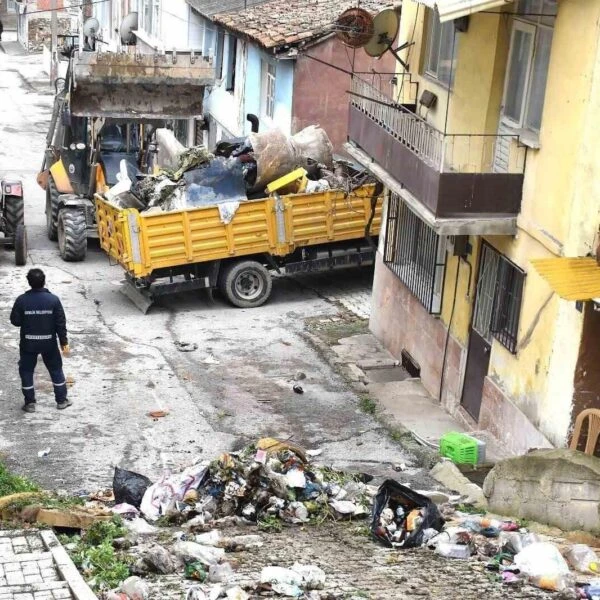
432,21
268,83
153,27
532,26
529,29
11,5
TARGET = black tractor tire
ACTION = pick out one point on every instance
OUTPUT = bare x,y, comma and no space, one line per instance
14,212
20,245
52,209
246,284
72,234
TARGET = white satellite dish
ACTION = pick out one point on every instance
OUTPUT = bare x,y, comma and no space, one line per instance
128,25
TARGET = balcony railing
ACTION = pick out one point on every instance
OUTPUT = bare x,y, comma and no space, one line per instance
446,153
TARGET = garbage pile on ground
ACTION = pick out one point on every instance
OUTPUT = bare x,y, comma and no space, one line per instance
238,170
272,484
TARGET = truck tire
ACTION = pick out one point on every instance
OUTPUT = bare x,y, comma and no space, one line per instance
52,209
72,234
20,245
246,284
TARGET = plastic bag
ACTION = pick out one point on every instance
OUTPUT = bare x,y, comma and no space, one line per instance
393,495
129,487
220,573
541,559
158,559
191,552
583,559
313,577
169,489
135,588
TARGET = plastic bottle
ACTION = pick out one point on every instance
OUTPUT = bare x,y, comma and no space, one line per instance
583,559
449,550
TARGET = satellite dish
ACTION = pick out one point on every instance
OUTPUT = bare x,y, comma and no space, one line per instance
128,25
91,27
385,30
90,32
354,27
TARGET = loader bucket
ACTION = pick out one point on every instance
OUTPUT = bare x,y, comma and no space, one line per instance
140,86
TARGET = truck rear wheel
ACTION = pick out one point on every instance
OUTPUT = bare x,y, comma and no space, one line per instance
14,215
20,245
72,234
246,284
51,209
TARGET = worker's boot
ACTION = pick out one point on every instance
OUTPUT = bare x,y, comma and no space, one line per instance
64,404
29,407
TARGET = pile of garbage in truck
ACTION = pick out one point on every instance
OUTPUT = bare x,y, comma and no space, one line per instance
238,170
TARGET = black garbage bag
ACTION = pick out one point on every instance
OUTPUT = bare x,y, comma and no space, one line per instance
393,495
129,487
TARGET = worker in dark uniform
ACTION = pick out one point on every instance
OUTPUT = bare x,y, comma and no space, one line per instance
42,320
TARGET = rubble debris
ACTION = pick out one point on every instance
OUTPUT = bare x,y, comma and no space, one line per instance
129,487
186,346
43,453
158,559
298,389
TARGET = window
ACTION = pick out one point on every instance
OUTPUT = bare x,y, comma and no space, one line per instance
11,5
219,50
499,295
268,89
150,16
441,51
415,253
231,60
528,61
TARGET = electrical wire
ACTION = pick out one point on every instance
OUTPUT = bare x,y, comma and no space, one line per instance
412,39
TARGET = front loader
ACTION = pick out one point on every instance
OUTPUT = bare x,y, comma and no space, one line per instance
105,111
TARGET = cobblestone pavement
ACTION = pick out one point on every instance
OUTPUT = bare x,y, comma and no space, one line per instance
356,567
352,290
31,568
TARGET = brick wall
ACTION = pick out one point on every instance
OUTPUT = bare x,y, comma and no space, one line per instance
40,33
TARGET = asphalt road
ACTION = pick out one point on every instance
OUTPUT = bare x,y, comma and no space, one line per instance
235,388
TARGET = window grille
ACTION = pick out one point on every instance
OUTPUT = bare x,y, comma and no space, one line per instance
415,254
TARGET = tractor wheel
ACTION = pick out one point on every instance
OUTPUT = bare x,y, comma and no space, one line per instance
15,213
20,245
51,209
72,234
246,284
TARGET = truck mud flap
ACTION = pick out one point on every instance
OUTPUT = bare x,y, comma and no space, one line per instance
139,296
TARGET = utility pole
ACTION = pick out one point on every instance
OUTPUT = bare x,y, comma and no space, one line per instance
54,43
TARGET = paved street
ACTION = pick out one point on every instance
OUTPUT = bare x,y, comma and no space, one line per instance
236,387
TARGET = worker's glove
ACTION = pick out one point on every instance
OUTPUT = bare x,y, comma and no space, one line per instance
66,350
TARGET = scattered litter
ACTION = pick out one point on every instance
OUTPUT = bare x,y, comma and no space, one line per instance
125,510
139,526
237,593
583,559
43,452
158,414
195,570
298,389
191,552
544,566
220,573
158,559
210,360
135,588
196,593
313,453
186,346
299,376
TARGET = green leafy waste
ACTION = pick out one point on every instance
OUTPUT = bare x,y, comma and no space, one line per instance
14,484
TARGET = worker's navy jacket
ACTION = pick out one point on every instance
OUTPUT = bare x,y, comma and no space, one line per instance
41,317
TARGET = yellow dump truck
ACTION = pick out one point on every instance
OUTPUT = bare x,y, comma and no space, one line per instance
168,252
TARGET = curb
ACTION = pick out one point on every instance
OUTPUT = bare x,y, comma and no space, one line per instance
79,588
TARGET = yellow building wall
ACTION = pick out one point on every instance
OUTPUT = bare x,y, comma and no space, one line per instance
561,194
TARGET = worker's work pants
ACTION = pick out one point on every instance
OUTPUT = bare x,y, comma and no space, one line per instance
53,361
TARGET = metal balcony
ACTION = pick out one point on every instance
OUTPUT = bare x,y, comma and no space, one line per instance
453,176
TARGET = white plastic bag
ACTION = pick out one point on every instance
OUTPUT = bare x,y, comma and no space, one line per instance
541,559
171,488
135,588
191,551
277,575
313,577
583,559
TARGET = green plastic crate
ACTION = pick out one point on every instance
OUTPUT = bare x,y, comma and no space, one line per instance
458,447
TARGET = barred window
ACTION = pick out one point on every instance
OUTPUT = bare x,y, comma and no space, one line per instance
499,296
415,253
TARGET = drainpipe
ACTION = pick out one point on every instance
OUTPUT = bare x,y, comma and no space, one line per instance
254,121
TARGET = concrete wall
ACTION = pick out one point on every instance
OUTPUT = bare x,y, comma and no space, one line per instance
320,91
8,17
